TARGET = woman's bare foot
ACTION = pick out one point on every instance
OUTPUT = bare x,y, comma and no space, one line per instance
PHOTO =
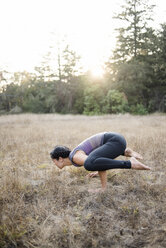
130,153
136,165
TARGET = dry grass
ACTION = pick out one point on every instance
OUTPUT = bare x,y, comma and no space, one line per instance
43,207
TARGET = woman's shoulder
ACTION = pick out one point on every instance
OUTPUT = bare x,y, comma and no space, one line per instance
79,157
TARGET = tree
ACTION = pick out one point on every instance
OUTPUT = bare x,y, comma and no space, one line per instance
70,66
135,80
44,71
10,96
115,102
94,96
133,33
158,89
60,63
133,67
69,79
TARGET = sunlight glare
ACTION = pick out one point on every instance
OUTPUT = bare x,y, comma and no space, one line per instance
26,26
96,72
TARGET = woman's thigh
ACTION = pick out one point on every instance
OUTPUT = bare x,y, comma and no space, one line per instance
111,138
102,158
114,146
111,149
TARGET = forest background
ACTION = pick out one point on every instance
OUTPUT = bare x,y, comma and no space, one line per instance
134,78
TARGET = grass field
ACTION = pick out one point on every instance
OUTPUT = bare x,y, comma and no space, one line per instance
44,207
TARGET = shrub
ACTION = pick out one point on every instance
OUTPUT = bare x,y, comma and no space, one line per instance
93,100
115,102
138,109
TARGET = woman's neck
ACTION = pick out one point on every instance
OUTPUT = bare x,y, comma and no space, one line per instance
67,161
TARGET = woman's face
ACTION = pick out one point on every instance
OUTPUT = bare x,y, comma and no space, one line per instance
59,163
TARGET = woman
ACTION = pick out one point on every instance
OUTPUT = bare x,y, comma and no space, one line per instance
98,153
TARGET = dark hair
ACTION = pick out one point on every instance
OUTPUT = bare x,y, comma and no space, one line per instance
60,151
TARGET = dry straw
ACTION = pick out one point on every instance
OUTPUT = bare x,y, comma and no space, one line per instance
43,207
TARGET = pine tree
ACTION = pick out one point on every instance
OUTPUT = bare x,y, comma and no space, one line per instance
133,36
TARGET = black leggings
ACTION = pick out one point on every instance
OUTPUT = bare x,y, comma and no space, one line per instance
103,157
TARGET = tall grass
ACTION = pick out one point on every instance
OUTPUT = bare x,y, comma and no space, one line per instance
43,207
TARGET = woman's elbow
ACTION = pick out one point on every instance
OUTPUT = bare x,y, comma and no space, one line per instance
88,165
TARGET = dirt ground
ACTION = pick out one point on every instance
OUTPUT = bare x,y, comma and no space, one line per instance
44,207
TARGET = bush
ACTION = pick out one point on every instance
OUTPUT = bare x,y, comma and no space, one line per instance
138,109
16,110
115,102
34,105
93,100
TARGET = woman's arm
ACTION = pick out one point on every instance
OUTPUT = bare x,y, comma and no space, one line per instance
79,157
103,178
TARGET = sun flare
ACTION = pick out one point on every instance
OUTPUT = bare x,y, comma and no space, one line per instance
26,27
96,72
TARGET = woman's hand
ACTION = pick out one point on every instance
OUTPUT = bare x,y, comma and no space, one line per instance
93,174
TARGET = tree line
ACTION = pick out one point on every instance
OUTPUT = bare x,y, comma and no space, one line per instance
134,80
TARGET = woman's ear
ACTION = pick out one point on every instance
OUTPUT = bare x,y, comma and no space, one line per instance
60,159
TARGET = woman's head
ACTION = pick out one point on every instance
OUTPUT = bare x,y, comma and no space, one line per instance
60,152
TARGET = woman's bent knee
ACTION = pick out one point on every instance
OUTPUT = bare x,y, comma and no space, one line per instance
88,165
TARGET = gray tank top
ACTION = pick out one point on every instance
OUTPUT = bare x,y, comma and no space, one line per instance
88,145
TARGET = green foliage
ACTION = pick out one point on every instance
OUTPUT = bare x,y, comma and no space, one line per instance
137,67
33,104
132,35
135,79
10,96
93,99
70,65
91,103
78,107
115,102
138,109
34,98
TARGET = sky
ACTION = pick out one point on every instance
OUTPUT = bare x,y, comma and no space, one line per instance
29,27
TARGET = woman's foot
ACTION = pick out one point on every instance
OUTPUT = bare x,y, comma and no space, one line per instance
130,153
136,165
